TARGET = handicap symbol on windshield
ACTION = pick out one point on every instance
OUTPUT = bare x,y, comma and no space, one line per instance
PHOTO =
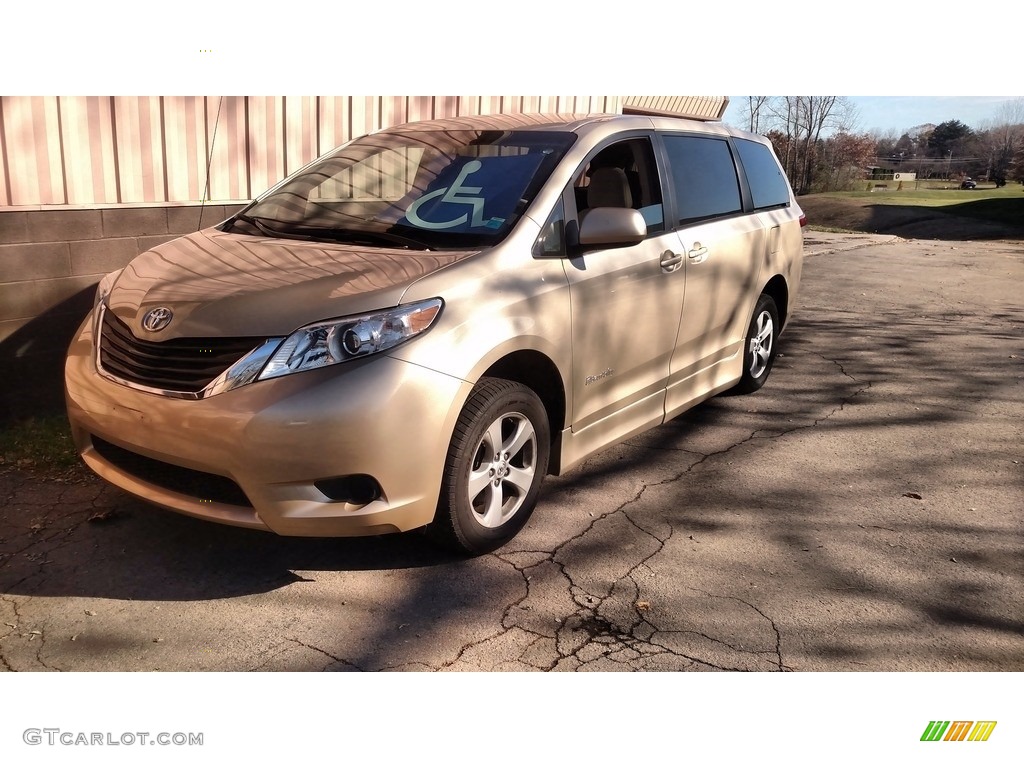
458,194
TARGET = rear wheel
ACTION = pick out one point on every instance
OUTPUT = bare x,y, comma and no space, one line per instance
759,347
496,462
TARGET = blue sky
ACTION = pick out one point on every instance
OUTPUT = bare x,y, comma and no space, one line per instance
884,113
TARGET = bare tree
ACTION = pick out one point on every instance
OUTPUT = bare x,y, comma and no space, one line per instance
788,113
756,107
886,141
1005,138
802,120
1011,112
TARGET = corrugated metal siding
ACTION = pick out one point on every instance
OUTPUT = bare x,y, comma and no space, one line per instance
700,107
89,175
98,151
185,138
32,151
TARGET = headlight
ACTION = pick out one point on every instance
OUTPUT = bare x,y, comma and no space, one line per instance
349,338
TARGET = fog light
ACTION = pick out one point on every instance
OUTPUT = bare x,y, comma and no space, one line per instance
353,489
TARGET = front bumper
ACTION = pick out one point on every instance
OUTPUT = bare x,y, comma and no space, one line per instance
380,417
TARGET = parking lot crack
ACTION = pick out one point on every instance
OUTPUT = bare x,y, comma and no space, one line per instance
707,662
8,630
842,368
778,635
328,654
612,640
591,634
468,647
604,515
591,626
42,648
777,649
774,434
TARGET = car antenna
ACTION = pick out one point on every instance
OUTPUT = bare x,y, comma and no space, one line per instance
209,163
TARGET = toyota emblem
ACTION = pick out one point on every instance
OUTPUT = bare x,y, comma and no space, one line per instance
157,319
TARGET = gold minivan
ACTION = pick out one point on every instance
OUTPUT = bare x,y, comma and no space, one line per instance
416,328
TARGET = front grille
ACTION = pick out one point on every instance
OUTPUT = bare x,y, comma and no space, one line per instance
178,365
188,482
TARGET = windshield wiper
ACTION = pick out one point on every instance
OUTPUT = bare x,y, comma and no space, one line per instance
364,237
268,231
335,234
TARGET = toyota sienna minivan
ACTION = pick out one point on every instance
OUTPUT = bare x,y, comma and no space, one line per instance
414,329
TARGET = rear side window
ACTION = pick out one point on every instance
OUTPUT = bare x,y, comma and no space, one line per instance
704,176
768,186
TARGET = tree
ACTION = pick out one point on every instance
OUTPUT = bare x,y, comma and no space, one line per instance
844,158
885,142
797,124
756,107
814,114
1017,168
782,144
948,137
1001,142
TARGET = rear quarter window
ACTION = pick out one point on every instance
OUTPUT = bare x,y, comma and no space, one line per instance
768,186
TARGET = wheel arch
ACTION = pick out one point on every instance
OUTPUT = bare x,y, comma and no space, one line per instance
778,289
537,371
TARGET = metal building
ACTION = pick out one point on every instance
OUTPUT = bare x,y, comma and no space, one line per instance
87,182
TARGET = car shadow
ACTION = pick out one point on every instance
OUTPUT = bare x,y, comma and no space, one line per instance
79,537
95,541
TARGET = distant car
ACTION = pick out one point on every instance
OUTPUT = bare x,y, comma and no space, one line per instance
968,184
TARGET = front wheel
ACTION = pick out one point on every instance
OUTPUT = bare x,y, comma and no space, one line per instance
759,346
496,461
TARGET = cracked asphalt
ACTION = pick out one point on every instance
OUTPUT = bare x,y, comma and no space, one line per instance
864,511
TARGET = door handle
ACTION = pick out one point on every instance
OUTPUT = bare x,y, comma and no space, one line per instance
670,260
698,253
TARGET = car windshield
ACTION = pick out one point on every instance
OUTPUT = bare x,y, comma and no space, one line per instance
412,189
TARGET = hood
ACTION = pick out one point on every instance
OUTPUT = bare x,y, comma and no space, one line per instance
220,284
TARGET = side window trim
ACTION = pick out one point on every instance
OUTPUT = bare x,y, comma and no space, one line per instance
570,229
746,195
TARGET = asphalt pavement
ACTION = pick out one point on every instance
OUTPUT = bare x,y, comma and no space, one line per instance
863,511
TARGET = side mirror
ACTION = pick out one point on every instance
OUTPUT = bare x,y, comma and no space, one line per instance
612,227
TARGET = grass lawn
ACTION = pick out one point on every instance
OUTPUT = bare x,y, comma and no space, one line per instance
1004,205
42,444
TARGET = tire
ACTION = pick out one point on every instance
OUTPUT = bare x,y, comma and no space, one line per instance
759,347
488,494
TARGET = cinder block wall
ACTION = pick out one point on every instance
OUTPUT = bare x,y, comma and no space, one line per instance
48,256
50,262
